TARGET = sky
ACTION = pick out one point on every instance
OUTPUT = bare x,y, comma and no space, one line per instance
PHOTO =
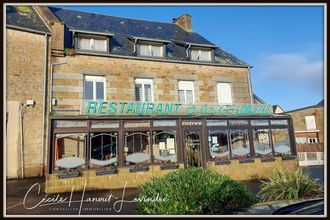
284,44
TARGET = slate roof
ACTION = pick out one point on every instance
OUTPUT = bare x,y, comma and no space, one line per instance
124,28
25,17
318,105
257,99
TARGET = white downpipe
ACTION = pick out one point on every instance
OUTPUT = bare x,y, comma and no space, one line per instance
250,86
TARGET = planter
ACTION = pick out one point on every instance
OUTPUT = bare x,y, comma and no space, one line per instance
106,172
249,160
268,159
169,166
222,162
289,158
139,169
68,175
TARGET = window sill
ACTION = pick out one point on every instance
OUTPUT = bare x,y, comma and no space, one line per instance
68,175
169,166
106,172
142,168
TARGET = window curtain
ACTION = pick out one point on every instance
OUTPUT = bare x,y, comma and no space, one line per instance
181,96
156,51
84,43
205,55
100,45
195,54
189,95
147,92
144,50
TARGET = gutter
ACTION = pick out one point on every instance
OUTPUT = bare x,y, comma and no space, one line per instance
27,29
43,138
250,87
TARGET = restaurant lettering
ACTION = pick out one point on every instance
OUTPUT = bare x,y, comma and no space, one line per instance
151,108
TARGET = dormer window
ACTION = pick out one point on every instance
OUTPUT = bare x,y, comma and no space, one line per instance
150,49
92,43
198,54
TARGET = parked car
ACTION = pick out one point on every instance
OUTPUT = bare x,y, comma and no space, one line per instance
288,207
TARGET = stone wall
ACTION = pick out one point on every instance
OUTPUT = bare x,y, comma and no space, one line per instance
91,181
120,74
24,81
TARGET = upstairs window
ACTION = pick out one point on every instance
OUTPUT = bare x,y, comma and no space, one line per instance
224,94
310,122
200,55
96,43
186,92
143,90
150,50
94,88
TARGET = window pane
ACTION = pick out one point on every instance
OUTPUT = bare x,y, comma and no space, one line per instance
138,92
104,124
238,122
224,93
70,124
164,147
205,55
156,51
69,151
281,141
84,43
100,45
218,144
164,123
137,147
259,122
88,91
103,149
194,54
144,50
181,96
240,142
189,97
261,141
99,90
147,92
216,123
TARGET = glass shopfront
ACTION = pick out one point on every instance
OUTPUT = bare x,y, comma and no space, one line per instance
101,144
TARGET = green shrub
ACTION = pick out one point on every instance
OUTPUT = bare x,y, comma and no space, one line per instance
285,185
193,191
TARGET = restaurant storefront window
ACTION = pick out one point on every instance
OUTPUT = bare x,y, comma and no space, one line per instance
218,144
281,141
69,151
103,149
261,140
164,146
240,146
137,147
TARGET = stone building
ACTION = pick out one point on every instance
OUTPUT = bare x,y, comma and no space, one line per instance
133,99
308,123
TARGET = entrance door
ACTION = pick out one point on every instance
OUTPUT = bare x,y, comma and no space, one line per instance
193,148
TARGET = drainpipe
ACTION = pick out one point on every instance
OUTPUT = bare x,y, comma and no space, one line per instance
135,41
43,147
187,50
22,109
51,84
250,87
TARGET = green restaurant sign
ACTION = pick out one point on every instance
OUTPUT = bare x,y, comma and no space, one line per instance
159,108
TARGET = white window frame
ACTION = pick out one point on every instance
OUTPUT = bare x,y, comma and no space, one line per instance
95,79
144,81
92,43
150,50
309,140
219,92
186,85
199,54
310,126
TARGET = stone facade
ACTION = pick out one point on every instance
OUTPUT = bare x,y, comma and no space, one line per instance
120,74
25,81
299,121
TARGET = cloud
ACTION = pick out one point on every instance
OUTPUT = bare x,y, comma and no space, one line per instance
291,68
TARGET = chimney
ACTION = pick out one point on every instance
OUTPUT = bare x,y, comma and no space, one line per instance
184,21
57,30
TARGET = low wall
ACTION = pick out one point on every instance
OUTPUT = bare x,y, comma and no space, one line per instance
237,170
311,158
